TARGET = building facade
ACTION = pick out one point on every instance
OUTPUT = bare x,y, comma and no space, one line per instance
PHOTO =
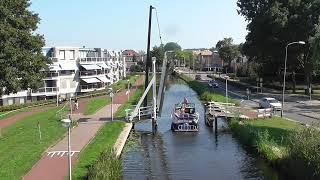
208,60
73,71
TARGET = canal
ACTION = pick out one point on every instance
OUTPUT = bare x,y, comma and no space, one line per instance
201,155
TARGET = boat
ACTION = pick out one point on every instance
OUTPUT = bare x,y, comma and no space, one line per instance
184,117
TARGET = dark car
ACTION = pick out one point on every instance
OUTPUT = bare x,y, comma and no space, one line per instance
213,84
198,77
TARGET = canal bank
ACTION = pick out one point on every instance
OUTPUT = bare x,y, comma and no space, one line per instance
201,155
284,145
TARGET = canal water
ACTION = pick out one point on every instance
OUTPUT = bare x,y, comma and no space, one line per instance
195,155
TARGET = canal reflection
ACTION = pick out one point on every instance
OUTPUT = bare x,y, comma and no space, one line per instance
202,155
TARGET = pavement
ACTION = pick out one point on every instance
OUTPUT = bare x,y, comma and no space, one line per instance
297,107
54,163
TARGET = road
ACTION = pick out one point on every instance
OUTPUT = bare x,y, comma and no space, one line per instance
295,108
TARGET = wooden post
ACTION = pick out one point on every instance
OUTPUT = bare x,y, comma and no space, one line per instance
216,124
39,129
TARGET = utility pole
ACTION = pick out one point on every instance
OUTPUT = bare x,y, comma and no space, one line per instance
148,60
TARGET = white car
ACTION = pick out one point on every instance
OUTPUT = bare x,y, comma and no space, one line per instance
269,102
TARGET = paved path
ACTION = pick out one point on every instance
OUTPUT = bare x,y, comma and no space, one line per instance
56,167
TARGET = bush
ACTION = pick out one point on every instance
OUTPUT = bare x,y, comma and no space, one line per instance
304,148
107,167
19,106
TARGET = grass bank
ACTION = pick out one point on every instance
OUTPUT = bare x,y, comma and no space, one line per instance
95,151
123,84
97,160
204,93
284,144
20,144
96,104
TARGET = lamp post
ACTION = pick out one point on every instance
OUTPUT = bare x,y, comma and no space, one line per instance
226,77
111,95
67,124
285,71
128,92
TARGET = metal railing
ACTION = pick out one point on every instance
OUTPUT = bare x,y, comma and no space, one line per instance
53,59
90,73
91,86
51,75
46,90
93,59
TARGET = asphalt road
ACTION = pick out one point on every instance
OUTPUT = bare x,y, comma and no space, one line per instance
295,108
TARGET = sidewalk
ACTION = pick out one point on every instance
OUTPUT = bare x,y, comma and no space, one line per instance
55,167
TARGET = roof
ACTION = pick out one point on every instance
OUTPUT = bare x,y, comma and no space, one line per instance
130,52
90,66
104,79
68,66
91,80
269,98
203,52
103,65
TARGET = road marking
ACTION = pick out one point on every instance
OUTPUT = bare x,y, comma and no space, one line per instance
60,153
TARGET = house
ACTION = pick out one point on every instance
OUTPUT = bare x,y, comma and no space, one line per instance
73,71
131,57
208,60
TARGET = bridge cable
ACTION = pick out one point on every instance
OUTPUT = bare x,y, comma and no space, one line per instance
158,25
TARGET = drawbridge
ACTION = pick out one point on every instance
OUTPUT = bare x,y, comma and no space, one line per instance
138,112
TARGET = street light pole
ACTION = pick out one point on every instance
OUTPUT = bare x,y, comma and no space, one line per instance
285,71
111,95
128,89
67,124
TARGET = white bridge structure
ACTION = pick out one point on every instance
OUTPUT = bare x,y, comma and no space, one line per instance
150,111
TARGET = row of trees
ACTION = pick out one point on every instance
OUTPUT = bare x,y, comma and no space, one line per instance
274,24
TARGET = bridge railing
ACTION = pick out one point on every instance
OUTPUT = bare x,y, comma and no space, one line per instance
142,112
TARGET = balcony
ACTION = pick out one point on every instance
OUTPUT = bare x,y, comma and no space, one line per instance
51,75
45,91
90,73
53,59
91,87
93,59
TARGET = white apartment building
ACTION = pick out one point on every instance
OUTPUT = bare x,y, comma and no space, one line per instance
74,71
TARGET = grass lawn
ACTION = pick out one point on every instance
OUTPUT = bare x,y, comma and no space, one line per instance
20,146
204,93
96,104
132,101
269,136
104,140
123,84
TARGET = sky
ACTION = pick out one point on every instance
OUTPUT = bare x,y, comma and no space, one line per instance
123,24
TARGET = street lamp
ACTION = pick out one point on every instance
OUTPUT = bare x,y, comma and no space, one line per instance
67,124
226,77
111,95
128,92
285,71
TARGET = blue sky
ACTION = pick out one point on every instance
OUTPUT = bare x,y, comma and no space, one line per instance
122,24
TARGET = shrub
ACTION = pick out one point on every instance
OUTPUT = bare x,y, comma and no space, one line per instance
108,166
19,106
304,148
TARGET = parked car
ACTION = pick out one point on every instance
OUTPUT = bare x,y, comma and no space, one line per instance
198,77
269,102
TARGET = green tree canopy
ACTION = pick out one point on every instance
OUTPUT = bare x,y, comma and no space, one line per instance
20,48
274,24
172,46
158,52
227,50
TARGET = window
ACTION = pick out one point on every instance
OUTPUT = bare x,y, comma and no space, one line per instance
62,54
72,54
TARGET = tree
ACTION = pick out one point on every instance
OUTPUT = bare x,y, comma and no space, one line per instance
21,56
227,51
158,52
172,46
274,24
